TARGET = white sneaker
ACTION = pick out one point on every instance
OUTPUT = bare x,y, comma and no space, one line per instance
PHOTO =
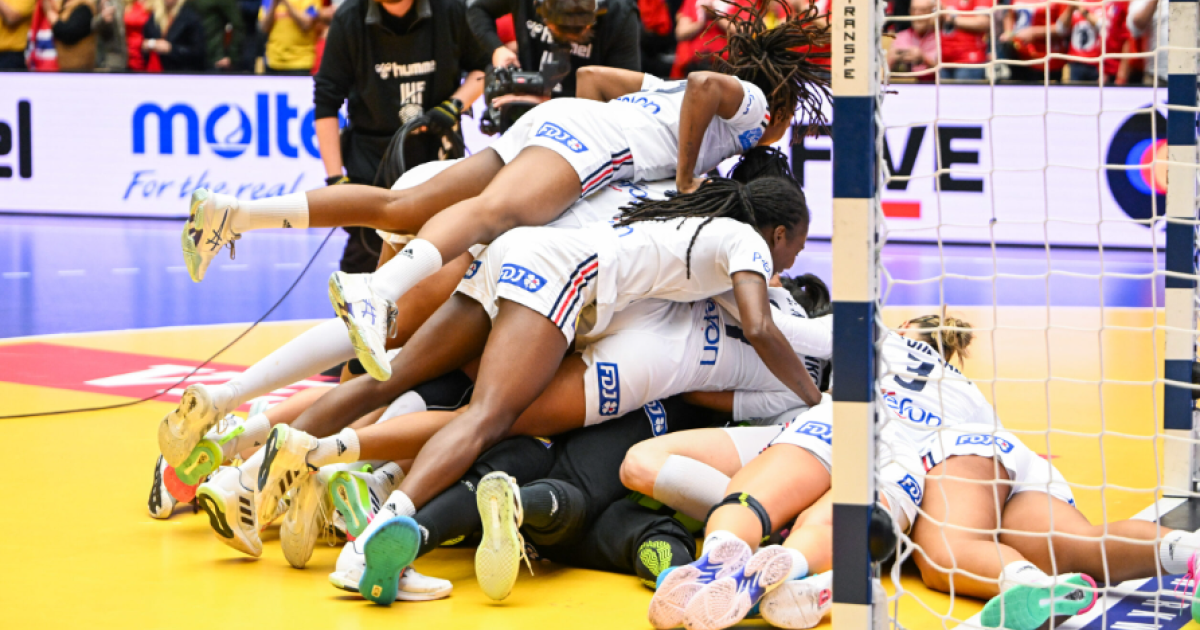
231,510
208,230
498,558
726,601
799,603
162,503
306,519
682,583
414,587
356,495
284,463
211,452
369,319
181,430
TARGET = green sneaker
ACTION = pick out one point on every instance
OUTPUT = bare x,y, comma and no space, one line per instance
1028,607
357,495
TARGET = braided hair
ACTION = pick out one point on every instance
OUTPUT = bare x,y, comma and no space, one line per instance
781,61
763,203
811,292
761,161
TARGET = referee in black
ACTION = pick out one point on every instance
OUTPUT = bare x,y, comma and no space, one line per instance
594,32
393,60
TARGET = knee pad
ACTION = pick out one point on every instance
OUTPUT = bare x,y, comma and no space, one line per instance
750,503
570,518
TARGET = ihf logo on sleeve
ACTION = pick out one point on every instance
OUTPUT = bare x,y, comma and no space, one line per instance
819,430
609,382
519,276
658,417
912,487
983,439
561,136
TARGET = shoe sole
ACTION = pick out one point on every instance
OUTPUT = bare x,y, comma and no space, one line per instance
498,558
347,494
204,459
191,255
158,504
379,369
213,505
196,416
388,552
725,602
670,601
179,490
1025,609
342,584
785,606
298,535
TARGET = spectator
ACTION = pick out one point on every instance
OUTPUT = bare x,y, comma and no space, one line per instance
15,16
697,35
253,44
657,41
42,56
1148,19
1096,30
1027,30
223,32
821,54
290,26
606,35
137,14
71,23
109,27
965,27
176,35
915,48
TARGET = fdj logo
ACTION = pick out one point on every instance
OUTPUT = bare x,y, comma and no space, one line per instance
658,417
912,487
228,129
609,382
983,439
519,276
473,269
819,430
561,136
23,142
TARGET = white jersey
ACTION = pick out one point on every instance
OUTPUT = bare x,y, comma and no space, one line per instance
650,119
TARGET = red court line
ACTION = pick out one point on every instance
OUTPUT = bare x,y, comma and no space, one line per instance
115,373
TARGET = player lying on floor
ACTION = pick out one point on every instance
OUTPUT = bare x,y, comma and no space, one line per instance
560,151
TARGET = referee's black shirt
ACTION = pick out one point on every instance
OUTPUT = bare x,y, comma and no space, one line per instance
380,63
614,42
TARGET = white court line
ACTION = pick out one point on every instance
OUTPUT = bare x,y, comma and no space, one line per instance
16,275
71,272
288,265
176,269
237,267
1113,594
125,271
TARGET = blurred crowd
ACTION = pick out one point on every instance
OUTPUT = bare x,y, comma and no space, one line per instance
1028,40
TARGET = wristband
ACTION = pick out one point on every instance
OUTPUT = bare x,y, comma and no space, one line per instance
334,180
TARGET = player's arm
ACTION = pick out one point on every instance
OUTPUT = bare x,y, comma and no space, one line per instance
717,401
708,95
481,18
601,83
750,291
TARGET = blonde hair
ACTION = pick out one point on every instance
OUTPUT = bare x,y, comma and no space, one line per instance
948,343
162,16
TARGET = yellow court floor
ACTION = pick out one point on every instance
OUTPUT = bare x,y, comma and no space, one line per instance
79,550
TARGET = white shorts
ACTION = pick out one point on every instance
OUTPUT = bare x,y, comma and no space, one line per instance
582,131
898,464
639,362
750,441
1027,472
553,276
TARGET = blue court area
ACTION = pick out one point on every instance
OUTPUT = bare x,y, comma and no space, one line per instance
67,275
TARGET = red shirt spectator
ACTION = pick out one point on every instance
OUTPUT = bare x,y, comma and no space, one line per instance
799,7
656,17
136,16
697,34
960,45
1085,32
1026,27
1117,37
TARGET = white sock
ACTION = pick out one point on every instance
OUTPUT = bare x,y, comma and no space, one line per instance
251,433
1176,549
408,402
399,503
417,261
799,564
284,211
391,471
316,349
336,449
249,469
1023,573
690,486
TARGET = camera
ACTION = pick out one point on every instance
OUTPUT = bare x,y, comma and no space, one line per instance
510,81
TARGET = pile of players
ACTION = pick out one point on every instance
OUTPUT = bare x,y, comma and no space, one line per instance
588,361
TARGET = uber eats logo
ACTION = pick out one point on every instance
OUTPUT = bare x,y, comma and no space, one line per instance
16,143
228,129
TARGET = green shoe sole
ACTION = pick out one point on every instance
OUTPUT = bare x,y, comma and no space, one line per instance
1029,607
388,551
349,495
204,459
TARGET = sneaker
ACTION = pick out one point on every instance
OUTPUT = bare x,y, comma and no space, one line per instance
726,601
284,463
207,231
412,586
162,503
1025,607
182,491
388,548
369,318
799,604
498,558
211,452
231,510
181,430
356,495
306,519
678,587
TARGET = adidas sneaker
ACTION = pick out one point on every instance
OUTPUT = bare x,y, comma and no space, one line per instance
356,495
231,510
208,230
369,319
284,463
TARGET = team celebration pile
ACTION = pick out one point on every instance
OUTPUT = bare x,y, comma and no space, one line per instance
581,345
